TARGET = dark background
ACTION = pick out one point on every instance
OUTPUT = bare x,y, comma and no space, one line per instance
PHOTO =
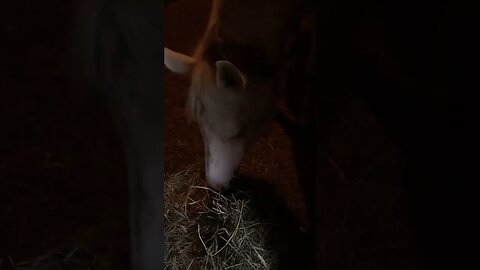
395,181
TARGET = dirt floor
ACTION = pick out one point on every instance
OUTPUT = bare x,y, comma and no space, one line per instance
63,180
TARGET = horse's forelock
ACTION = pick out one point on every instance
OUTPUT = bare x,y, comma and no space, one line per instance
201,82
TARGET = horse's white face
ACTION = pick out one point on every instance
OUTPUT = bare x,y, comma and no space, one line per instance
230,112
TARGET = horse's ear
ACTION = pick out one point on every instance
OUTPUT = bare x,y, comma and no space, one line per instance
177,62
228,76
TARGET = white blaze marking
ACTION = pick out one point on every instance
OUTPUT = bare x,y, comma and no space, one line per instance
224,159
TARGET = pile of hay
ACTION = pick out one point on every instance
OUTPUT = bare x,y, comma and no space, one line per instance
208,230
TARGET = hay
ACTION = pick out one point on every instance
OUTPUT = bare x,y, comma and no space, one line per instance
208,230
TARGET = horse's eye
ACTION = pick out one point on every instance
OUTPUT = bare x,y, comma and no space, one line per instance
239,134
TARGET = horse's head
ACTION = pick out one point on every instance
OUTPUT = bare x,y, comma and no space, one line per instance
230,110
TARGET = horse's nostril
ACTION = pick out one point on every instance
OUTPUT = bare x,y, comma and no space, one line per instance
219,187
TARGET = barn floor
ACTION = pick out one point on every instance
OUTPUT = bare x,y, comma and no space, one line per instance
63,181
